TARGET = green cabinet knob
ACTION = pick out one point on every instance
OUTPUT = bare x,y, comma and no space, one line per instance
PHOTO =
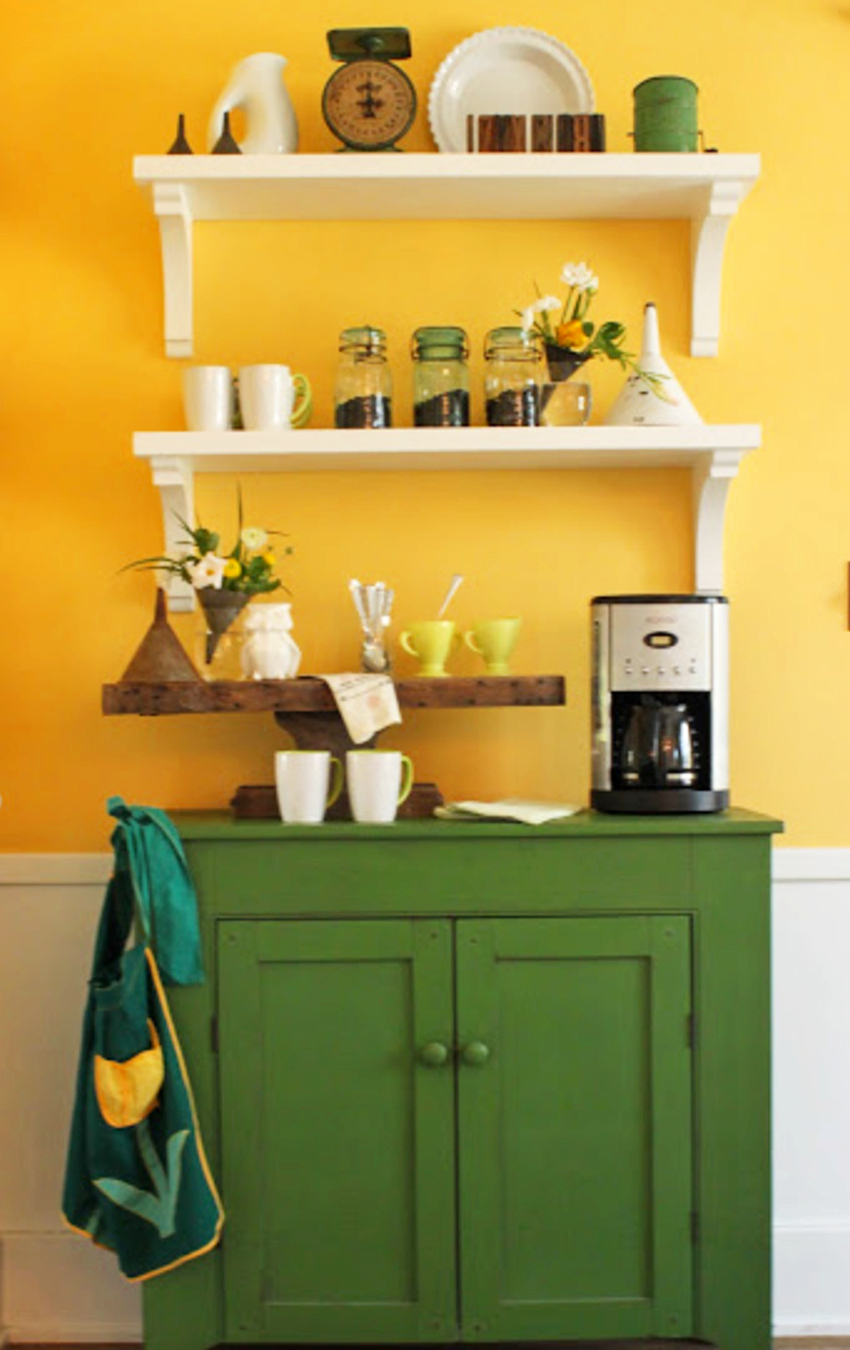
434,1054
475,1054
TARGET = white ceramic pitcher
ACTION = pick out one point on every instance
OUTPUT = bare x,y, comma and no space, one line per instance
256,86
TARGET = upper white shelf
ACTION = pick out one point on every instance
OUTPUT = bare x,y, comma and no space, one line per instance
712,453
705,189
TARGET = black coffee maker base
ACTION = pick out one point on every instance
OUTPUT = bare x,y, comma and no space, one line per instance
660,801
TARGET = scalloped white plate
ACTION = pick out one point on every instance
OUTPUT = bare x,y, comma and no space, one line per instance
504,70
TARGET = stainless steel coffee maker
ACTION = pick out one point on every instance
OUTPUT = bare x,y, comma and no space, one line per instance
660,703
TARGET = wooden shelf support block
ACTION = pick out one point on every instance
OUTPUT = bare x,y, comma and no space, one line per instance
174,479
712,478
171,207
708,240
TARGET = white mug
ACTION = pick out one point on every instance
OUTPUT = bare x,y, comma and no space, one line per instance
268,395
208,398
305,788
378,782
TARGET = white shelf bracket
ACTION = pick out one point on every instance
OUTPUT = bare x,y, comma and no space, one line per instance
708,238
712,476
176,483
171,207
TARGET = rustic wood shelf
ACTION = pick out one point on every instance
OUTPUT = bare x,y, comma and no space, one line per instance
306,710
309,694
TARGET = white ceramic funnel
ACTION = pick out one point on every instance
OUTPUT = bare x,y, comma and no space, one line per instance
637,403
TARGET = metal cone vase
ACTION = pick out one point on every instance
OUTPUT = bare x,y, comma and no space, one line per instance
220,608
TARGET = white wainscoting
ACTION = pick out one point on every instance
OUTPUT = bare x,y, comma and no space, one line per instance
54,1286
811,1091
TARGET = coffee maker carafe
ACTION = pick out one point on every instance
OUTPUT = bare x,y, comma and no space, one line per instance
660,703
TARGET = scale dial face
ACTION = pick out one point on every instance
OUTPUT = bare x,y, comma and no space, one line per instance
369,104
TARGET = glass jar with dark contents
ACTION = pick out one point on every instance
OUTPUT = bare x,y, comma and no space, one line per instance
513,374
440,377
364,385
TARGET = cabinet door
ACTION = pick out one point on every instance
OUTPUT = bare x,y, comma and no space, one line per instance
337,1131
574,1102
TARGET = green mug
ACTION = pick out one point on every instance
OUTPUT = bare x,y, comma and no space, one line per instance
494,640
430,641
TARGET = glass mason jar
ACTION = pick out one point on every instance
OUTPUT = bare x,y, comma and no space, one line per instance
513,374
364,385
440,377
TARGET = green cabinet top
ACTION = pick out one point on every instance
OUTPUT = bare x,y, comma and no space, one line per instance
219,825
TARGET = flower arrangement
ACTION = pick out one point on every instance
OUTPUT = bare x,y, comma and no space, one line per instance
569,336
224,581
246,568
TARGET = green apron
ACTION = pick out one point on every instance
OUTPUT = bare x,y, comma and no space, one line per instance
137,1179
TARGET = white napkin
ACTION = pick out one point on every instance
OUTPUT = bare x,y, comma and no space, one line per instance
366,703
508,808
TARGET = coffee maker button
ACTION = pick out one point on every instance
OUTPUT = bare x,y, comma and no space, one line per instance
645,670
677,670
661,671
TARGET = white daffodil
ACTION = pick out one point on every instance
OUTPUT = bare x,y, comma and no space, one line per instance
254,538
208,572
580,276
541,306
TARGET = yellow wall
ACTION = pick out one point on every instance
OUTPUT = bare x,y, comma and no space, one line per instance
87,85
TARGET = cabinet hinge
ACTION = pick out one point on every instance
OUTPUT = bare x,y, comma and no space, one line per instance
690,1030
694,1227
214,1034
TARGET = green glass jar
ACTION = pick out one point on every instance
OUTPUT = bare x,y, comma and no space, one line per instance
440,377
513,375
364,384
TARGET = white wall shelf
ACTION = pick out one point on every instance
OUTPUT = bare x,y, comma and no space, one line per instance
712,453
705,189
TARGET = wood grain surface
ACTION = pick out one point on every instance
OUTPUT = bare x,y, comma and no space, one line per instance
311,694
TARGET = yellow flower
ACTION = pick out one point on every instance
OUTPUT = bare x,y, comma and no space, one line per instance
269,557
232,568
570,334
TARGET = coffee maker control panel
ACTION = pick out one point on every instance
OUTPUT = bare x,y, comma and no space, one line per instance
661,647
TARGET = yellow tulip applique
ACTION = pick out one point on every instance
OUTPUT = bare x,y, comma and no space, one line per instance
127,1090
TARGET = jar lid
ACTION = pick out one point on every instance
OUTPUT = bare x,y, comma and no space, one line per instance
439,344
666,83
502,339
367,337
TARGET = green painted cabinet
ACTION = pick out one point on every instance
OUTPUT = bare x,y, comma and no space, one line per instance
480,1083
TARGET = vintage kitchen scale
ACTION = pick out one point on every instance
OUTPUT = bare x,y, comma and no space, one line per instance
369,103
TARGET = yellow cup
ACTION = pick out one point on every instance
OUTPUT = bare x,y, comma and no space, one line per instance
494,640
430,641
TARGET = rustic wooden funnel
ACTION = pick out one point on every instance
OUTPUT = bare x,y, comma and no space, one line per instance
160,656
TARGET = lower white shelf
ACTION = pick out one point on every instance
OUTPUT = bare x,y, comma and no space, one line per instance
713,453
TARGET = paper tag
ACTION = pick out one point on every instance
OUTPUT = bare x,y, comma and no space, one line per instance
366,703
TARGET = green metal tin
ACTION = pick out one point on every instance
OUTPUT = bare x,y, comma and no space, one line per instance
666,114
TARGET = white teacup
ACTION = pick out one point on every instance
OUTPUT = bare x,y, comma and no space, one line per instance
305,787
272,398
378,782
208,398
